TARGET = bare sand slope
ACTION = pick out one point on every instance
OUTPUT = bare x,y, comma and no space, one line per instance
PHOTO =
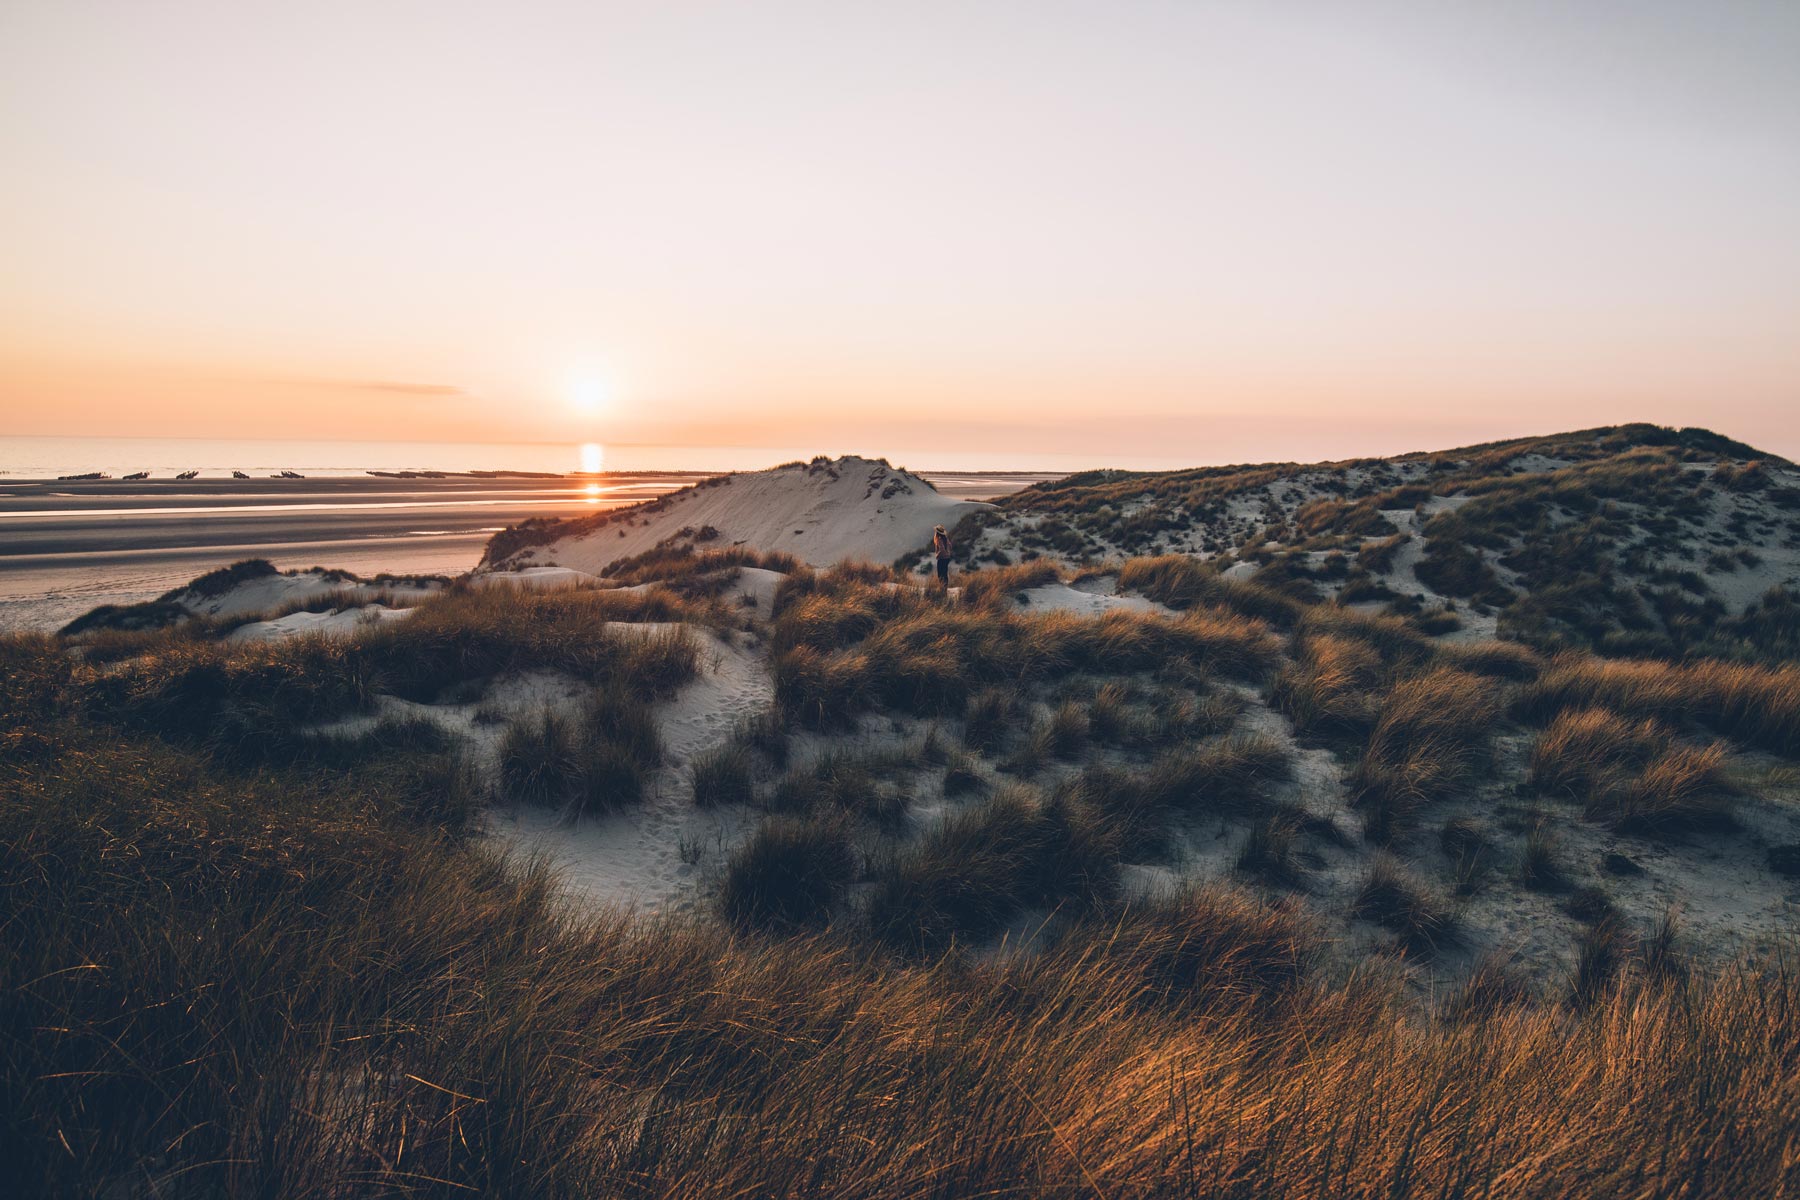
822,512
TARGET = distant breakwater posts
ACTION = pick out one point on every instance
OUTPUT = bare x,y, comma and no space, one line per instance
141,476
146,476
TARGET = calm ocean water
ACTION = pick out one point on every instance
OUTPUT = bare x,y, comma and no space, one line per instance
49,457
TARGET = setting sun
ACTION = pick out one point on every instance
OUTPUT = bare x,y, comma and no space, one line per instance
592,395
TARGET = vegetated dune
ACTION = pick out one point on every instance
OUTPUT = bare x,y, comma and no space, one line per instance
1627,539
254,589
822,512
1179,835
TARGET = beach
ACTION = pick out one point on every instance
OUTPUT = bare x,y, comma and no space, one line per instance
67,546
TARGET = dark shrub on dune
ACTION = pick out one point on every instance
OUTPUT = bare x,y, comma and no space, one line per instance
553,759
723,775
1398,901
608,775
246,700
820,691
838,779
789,874
971,874
539,758
1230,775
613,714
1203,946
987,716
1270,853
961,777
678,562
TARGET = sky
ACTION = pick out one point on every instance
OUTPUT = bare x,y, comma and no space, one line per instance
1181,232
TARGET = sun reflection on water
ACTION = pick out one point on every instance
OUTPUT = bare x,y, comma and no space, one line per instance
593,457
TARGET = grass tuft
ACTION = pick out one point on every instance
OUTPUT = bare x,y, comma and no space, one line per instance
1631,775
789,874
1271,853
538,758
1757,706
1429,737
724,775
968,876
1203,947
1398,901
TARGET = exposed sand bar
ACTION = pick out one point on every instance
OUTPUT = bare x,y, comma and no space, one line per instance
68,546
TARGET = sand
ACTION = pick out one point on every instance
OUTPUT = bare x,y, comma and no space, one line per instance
823,512
337,622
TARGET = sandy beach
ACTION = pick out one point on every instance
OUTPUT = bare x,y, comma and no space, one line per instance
66,546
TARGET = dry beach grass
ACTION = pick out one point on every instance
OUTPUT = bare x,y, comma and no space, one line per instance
231,983
262,941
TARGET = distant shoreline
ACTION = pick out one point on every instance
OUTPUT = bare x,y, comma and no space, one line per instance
497,474
69,545
43,458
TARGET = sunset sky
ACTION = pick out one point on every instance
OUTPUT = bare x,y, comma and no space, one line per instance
1199,232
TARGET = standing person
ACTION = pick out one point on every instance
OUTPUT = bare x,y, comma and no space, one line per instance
940,546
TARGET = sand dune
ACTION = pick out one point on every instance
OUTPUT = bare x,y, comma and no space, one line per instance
822,512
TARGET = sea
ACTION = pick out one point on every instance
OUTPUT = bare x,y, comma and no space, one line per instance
50,457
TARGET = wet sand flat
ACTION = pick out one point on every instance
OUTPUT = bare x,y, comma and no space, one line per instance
66,546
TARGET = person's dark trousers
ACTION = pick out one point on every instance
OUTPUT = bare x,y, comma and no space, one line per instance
944,571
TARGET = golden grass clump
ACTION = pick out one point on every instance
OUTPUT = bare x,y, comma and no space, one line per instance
1397,641
1182,582
997,586
467,634
1429,736
1172,579
1332,686
1684,787
1584,748
1202,946
1758,706
1631,775
1502,660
